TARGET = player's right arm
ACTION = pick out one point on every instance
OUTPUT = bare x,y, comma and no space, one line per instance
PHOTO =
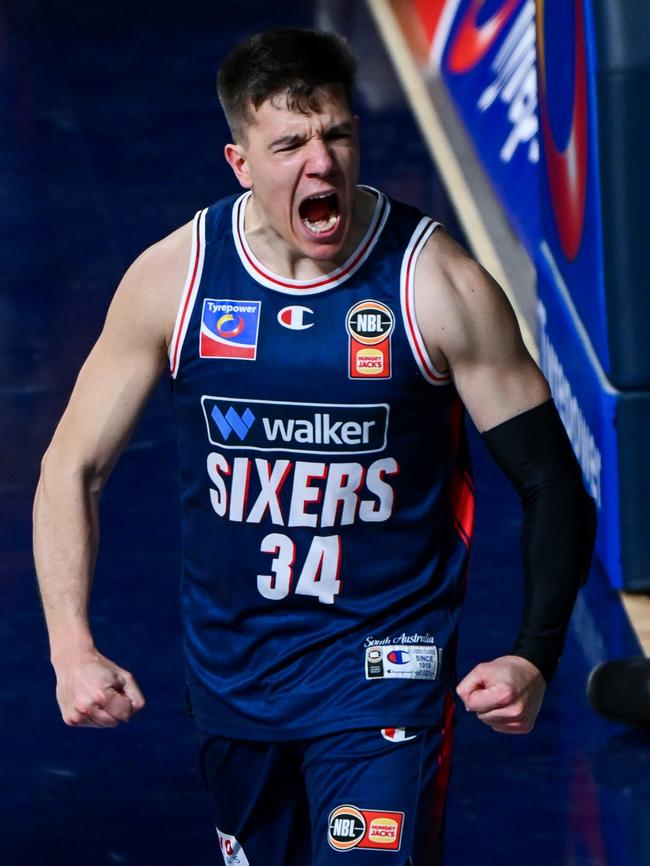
108,398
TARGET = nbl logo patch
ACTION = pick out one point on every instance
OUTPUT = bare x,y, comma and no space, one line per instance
349,827
229,329
369,325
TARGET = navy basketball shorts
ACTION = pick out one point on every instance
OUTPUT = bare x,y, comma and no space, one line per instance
369,797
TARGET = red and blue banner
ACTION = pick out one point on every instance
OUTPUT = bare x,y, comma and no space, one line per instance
554,94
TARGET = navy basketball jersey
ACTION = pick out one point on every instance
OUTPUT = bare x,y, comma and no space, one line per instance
326,498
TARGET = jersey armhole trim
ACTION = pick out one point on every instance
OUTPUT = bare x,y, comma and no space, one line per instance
190,291
420,236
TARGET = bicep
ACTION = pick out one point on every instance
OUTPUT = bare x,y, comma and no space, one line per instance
469,320
493,371
108,398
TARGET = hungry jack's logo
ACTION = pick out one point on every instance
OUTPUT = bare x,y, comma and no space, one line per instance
369,325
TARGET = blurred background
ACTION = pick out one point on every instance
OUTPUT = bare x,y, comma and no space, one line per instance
523,128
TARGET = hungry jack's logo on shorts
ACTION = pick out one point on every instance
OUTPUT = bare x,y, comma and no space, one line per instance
369,325
349,827
229,329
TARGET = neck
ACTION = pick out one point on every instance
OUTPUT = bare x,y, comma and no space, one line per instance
281,258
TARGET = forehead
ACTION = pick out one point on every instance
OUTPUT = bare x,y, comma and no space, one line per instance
280,113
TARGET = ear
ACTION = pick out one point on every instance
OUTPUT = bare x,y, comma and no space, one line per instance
238,162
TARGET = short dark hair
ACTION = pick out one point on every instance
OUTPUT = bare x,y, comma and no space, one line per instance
292,60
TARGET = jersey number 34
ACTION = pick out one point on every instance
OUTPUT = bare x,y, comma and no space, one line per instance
319,575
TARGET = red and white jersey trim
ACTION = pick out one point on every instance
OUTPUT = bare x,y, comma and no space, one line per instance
420,236
320,284
188,297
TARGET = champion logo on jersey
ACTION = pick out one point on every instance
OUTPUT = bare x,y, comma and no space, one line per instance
296,317
229,329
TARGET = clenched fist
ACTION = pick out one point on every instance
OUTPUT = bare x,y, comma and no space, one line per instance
94,692
506,694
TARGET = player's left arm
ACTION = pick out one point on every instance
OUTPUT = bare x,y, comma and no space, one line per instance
470,328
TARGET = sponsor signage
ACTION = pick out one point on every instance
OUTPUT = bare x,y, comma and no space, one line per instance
570,186
488,66
312,428
588,407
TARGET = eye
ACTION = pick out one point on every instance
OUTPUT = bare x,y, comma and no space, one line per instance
285,148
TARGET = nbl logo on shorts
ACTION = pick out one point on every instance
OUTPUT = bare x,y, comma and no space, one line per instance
349,827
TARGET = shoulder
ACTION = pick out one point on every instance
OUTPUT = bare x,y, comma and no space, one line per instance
458,304
148,295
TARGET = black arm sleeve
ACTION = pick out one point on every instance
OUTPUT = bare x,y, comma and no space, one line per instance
535,453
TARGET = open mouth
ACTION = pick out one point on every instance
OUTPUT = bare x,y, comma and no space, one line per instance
320,213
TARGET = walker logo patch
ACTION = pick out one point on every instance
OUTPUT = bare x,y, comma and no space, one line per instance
233,854
369,325
229,329
296,318
231,422
419,662
349,827
306,428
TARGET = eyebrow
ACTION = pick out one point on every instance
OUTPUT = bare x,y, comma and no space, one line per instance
288,140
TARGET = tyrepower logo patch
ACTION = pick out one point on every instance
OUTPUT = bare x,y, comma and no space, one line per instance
369,325
306,428
350,827
229,329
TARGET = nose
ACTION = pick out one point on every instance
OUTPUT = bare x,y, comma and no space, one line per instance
320,159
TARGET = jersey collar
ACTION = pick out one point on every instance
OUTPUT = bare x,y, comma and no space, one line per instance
319,284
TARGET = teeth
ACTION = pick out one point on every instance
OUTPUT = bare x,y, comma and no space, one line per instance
320,195
321,225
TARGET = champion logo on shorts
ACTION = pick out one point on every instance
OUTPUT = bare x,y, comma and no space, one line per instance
397,735
232,851
349,827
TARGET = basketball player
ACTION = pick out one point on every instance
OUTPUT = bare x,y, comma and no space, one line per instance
320,342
